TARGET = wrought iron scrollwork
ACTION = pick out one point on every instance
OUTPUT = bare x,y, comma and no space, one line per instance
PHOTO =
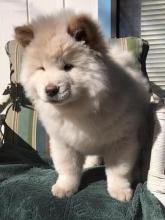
17,96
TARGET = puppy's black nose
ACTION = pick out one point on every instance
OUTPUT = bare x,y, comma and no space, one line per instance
51,90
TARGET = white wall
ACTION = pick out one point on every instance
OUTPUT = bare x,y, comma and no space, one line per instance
17,12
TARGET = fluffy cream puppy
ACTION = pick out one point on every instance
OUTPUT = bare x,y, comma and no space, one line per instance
89,103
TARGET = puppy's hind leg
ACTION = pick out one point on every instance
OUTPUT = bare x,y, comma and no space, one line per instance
68,164
92,161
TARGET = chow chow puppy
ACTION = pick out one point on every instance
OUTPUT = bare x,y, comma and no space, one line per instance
88,102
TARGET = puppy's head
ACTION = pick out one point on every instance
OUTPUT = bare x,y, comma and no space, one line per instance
62,58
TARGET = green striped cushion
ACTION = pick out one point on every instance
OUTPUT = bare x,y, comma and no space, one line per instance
22,124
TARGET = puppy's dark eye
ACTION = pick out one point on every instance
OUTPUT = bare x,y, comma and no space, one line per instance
68,67
41,68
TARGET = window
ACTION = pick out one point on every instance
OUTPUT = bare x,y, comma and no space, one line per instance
153,30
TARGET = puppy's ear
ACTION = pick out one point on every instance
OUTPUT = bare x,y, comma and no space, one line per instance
83,28
24,34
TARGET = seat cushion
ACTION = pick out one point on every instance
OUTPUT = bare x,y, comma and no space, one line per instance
25,193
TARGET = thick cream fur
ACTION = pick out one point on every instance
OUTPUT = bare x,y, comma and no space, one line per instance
103,114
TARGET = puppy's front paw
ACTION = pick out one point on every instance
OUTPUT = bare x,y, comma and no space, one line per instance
61,191
121,194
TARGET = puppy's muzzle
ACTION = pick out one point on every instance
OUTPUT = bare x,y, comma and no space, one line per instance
51,90
57,93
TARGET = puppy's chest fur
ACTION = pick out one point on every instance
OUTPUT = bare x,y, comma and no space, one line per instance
89,135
